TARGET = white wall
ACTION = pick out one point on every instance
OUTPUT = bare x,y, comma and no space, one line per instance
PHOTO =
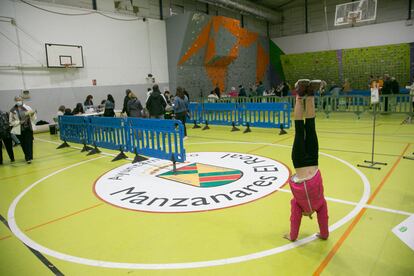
116,53
356,37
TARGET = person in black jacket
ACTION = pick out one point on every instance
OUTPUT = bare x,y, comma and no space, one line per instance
156,104
5,137
126,99
395,87
386,90
242,91
109,106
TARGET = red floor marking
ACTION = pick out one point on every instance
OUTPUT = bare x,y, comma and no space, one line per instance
66,216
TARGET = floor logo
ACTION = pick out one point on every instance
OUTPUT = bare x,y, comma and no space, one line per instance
206,181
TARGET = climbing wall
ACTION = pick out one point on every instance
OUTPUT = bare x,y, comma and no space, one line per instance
216,51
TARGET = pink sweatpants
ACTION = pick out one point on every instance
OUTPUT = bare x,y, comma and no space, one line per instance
300,204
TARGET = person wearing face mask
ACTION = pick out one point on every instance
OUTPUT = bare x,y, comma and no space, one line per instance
22,118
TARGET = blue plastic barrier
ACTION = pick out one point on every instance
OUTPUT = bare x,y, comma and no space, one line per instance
195,110
220,113
151,137
108,133
267,115
74,129
156,138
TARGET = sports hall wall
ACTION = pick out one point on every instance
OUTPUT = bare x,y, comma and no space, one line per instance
118,54
355,54
205,51
356,65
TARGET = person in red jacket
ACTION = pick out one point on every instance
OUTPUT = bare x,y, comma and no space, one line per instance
306,184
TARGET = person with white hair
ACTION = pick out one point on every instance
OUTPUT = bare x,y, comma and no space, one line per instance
233,92
22,120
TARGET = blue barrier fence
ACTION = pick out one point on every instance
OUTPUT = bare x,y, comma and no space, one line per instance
156,138
267,115
220,113
75,130
195,110
150,137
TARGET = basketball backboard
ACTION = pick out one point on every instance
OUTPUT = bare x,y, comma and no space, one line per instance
64,56
355,12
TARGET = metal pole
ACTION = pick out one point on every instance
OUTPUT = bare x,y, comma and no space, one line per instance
242,20
306,17
161,13
207,9
94,6
268,29
409,9
373,134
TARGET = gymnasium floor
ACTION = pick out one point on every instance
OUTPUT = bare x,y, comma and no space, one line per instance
62,213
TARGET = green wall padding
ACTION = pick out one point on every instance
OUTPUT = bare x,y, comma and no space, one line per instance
357,65
275,54
360,63
316,65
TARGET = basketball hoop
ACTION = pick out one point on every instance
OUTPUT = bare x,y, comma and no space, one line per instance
355,12
68,65
354,17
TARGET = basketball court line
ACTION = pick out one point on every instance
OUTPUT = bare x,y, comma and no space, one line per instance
217,262
263,146
357,210
280,189
291,136
365,206
348,231
39,255
365,134
66,216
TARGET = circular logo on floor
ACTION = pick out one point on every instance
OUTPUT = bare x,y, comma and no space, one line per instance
206,181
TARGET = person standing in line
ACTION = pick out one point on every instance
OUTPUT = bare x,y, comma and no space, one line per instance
5,137
156,104
242,91
260,89
306,184
22,119
181,107
386,90
134,106
169,110
109,106
126,100
217,91
186,94
395,86
285,89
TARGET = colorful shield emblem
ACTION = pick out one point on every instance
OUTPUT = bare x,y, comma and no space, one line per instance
202,175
